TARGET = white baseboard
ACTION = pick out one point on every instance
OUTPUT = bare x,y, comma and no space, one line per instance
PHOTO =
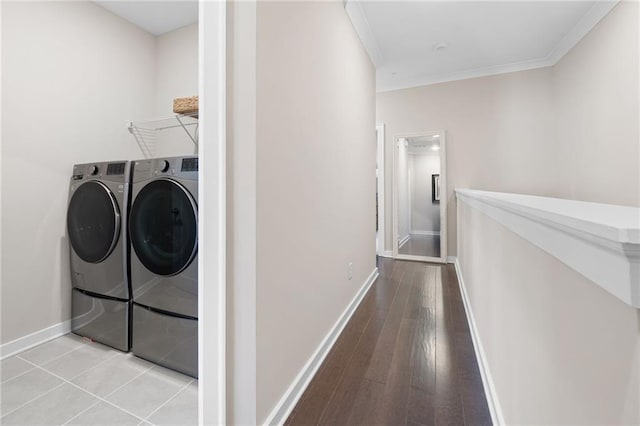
487,382
404,240
386,253
30,340
290,398
434,233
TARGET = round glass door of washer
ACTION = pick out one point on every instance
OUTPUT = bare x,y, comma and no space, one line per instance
93,221
163,227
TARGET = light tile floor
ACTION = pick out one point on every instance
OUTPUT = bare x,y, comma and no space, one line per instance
71,381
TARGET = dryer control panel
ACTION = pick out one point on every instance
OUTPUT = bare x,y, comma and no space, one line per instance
117,171
190,164
174,167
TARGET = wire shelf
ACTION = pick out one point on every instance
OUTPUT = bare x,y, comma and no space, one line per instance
146,132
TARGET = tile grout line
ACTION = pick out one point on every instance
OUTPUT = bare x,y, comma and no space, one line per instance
82,412
99,399
32,400
127,382
33,364
87,391
18,375
83,343
77,375
168,400
109,402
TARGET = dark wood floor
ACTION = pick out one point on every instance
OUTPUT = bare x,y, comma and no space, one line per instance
421,245
405,357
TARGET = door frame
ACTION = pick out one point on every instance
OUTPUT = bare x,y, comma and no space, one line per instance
212,53
443,201
380,165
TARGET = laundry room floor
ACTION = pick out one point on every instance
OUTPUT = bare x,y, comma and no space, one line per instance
71,381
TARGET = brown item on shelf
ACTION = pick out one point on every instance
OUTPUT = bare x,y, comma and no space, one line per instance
186,105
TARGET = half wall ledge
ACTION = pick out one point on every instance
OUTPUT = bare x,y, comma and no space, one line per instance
599,241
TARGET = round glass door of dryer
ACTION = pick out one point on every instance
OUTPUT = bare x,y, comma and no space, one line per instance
93,221
163,227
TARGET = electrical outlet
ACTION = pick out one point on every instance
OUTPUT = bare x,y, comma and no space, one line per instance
350,270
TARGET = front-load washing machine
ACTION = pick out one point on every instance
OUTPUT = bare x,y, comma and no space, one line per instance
96,218
163,228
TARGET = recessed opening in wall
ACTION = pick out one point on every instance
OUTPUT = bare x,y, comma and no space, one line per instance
111,233
420,196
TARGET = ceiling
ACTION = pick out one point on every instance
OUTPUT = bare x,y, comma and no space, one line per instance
414,43
423,144
155,17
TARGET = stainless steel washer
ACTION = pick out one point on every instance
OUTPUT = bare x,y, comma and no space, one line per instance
96,218
163,228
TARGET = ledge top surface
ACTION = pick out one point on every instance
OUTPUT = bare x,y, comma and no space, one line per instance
620,224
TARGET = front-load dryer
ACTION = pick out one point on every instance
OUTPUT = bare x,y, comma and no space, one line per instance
163,229
96,218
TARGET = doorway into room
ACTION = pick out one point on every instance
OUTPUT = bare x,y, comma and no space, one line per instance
419,230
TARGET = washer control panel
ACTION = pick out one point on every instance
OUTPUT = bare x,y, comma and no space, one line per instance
117,171
190,164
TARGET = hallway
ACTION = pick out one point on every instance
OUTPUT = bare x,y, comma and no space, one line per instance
405,357
421,245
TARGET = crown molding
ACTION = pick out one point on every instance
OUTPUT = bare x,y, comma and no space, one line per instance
426,80
589,20
363,29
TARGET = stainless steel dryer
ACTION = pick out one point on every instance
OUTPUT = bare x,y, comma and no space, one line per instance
163,228
96,218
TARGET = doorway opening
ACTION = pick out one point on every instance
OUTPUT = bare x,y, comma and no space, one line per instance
420,197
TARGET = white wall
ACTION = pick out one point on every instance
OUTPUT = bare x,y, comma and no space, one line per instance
536,132
176,77
302,195
560,349
404,204
72,74
241,213
497,128
596,96
425,214
316,162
